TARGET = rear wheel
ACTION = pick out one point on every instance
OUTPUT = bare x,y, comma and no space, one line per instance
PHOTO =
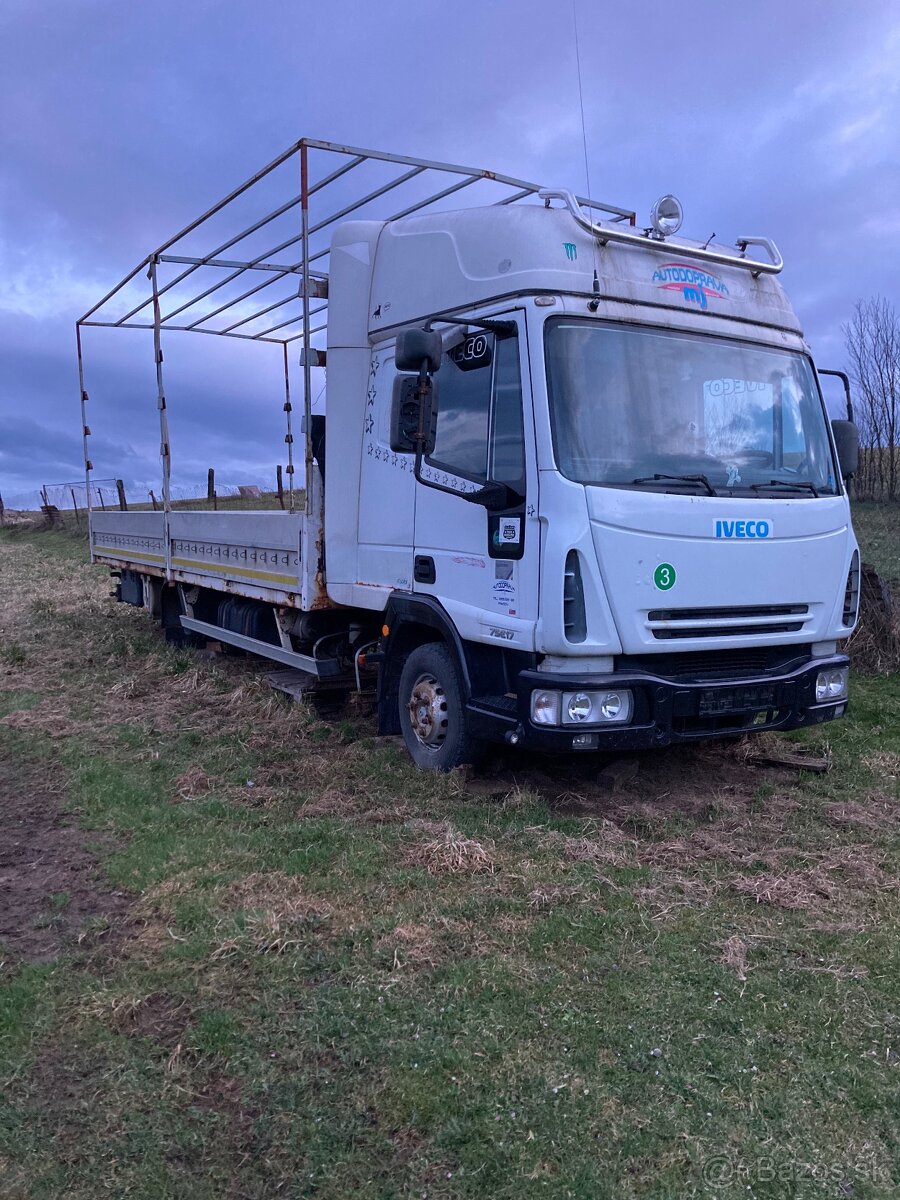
432,711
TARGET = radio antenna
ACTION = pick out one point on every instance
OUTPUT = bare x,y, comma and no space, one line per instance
587,168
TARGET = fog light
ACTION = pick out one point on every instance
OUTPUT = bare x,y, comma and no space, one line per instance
545,708
585,741
579,707
832,684
612,706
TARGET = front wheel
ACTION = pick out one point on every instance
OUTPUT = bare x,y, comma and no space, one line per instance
432,712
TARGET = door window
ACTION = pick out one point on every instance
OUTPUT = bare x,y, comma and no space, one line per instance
480,434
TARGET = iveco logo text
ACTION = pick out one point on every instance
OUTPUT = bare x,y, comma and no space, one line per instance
754,530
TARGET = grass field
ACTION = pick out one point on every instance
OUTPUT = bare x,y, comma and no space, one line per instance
245,952
878,532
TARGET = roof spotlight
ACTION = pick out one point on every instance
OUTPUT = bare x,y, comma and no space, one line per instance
666,216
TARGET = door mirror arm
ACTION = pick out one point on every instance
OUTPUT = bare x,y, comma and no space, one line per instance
495,496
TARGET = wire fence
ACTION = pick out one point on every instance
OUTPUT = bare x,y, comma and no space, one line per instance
65,505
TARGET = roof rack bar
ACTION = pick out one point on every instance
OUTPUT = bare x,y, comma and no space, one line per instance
233,195
231,303
349,158
299,336
517,196
177,329
230,262
323,183
448,191
260,313
452,168
294,320
388,187
216,208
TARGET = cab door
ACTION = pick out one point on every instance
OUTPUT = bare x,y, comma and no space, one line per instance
482,565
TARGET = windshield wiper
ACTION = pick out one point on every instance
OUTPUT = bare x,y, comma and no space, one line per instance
701,479
798,485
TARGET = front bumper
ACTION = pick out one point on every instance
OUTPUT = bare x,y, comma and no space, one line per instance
670,710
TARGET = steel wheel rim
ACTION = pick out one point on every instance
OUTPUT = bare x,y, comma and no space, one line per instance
428,712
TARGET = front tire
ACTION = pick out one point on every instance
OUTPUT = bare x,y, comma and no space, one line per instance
432,710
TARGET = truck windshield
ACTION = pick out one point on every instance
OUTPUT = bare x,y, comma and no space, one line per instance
704,413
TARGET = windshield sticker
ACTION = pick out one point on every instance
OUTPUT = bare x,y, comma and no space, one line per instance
748,530
695,285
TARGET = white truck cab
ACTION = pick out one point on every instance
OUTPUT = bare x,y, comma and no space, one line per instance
580,487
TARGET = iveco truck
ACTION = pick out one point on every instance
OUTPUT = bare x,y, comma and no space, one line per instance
574,488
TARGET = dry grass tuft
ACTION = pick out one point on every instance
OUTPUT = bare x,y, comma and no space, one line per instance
734,955
193,782
874,646
47,717
667,899
274,891
412,943
552,895
824,884
793,890
883,762
277,915
876,810
450,853
610,847
838,971
265,933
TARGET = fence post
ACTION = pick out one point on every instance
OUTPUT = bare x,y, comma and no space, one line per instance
280,485
211,487
75,508
2,511
153,500
120,488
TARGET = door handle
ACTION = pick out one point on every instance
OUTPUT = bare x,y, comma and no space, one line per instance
423,569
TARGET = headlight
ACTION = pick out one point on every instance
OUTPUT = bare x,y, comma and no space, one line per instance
582,708
579,707
545,708
596,708
832,684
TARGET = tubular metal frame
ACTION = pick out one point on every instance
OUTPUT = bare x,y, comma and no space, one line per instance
312,284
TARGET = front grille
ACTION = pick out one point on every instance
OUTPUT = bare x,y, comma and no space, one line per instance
705,631
851,593
751,620
717,614
698,665
574,615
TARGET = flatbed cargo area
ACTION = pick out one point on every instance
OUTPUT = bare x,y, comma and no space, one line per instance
257,554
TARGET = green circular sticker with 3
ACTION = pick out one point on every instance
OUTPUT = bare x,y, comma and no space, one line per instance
664,576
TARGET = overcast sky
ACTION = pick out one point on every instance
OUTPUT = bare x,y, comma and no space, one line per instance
123,121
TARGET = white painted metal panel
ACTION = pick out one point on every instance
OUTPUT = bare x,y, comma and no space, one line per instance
136,538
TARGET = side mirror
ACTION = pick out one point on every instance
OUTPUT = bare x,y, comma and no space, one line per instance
418,350
846,440
405,403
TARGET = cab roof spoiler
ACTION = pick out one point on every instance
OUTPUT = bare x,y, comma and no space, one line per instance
604,232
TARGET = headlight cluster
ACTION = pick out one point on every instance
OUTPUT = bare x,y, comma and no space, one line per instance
581,708
831,685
